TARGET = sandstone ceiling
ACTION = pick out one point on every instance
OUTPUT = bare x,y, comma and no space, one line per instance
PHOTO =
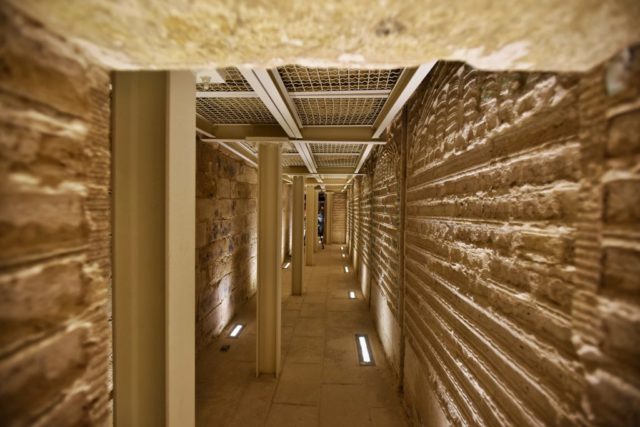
560,35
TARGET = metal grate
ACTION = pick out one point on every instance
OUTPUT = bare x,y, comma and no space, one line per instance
338,111
234,111
338,161
303,79
289,161
233,82
336,148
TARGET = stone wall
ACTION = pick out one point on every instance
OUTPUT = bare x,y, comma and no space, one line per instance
361,232
339,218
55,233
385,168
521,246
227,239
226,221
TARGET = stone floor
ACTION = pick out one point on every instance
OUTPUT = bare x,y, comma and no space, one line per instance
321,383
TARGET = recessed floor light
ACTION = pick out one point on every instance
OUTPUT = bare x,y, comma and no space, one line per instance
342,248
235,332
352,295
365,355
344,255
286,265
346,269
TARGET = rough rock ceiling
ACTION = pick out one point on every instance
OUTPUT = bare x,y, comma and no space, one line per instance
557,35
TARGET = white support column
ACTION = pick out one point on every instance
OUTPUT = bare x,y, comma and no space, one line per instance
269,269
154,248
328,209
297,232
312,227
181,249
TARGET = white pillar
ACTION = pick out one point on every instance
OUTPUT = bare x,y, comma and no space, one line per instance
311,229
154,248
269,268
297,232
328,207
181,249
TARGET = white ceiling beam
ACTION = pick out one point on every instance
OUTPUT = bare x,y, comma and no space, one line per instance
322,133
402,97
263,84
342,94
307,156
349,182
265,88
237,149
322,154
316,141
344,142
311,141
287,99
226,94
363,157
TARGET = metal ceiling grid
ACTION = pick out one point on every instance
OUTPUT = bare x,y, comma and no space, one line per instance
292,161
336,148
312,79
234,111
338,111
233,82
338,161
287,147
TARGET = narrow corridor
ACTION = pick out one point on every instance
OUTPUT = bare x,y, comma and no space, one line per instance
321,382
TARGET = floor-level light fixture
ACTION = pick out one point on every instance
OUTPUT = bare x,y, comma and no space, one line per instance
346,268
365,355
286,265
342,248
352,294
235,332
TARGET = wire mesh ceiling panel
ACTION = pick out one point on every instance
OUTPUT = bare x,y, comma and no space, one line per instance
289,161
336,148
337,161
304,79
234,111
233,82
338,111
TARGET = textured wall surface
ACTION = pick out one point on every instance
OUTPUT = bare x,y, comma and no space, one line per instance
339,218
285,245
226,221
521,246
361,233
493,178
606,307
176,34
385,241
55,273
